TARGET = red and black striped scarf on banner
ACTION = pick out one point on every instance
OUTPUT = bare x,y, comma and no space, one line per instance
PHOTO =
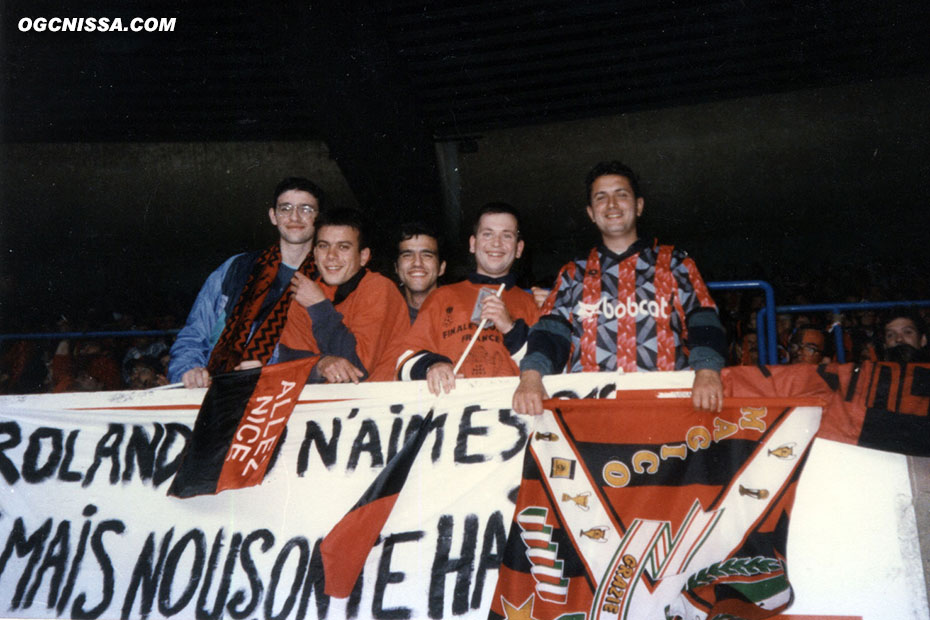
234,344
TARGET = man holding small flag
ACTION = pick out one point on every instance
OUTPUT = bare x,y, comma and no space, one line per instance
447,326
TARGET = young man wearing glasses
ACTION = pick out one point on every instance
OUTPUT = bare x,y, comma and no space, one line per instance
240,311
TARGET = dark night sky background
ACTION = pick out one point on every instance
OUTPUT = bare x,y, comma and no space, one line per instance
133,163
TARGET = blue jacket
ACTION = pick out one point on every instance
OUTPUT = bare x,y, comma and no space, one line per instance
215,301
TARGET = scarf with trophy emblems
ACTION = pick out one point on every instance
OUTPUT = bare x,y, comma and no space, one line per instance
235,344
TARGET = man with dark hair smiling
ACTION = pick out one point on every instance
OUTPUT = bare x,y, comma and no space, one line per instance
419,264
451,314
239,313
631,305
350,317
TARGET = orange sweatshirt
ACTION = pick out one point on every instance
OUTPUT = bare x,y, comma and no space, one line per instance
444,328
361,320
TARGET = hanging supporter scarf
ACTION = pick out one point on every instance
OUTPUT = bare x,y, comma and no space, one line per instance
234,344
626,326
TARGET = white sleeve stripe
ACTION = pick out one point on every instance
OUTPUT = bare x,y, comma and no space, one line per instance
406,362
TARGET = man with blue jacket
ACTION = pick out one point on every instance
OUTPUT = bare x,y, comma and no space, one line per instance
241,309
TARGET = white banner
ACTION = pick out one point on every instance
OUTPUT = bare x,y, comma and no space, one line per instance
87,531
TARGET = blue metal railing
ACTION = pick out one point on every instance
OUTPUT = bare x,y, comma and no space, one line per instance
765,320
765,323
837,329
722,285
88,335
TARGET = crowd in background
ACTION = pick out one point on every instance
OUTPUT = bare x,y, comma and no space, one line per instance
140,362
90,364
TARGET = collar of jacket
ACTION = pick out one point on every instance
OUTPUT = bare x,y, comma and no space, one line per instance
510,280
348,287
635,247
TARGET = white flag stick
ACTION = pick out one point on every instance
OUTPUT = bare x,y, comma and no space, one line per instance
170,386
474,338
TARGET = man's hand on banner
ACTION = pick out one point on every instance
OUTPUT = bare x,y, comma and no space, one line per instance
441,378
196,378
338,370
707,391
530,393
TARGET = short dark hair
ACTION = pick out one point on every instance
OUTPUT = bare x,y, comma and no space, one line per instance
409,230
343,216
610,167
300,184
497,207
904,312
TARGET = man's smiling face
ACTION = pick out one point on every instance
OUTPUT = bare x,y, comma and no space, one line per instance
294,215
418,266
614,207
496,244
337,254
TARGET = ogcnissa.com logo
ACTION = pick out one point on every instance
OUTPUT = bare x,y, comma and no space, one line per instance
97,24
619,310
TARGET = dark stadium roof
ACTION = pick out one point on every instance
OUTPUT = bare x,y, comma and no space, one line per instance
234,71
380,81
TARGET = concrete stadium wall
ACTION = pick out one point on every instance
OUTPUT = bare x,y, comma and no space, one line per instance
130,223
834,175
820,175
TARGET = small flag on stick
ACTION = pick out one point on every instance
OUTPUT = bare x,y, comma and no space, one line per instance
238,427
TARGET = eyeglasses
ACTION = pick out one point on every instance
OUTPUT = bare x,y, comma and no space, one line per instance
304,211
807,347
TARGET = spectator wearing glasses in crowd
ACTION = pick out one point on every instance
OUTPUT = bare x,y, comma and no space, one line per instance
240,311
808,345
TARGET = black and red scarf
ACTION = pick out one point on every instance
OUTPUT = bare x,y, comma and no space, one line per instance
234,344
